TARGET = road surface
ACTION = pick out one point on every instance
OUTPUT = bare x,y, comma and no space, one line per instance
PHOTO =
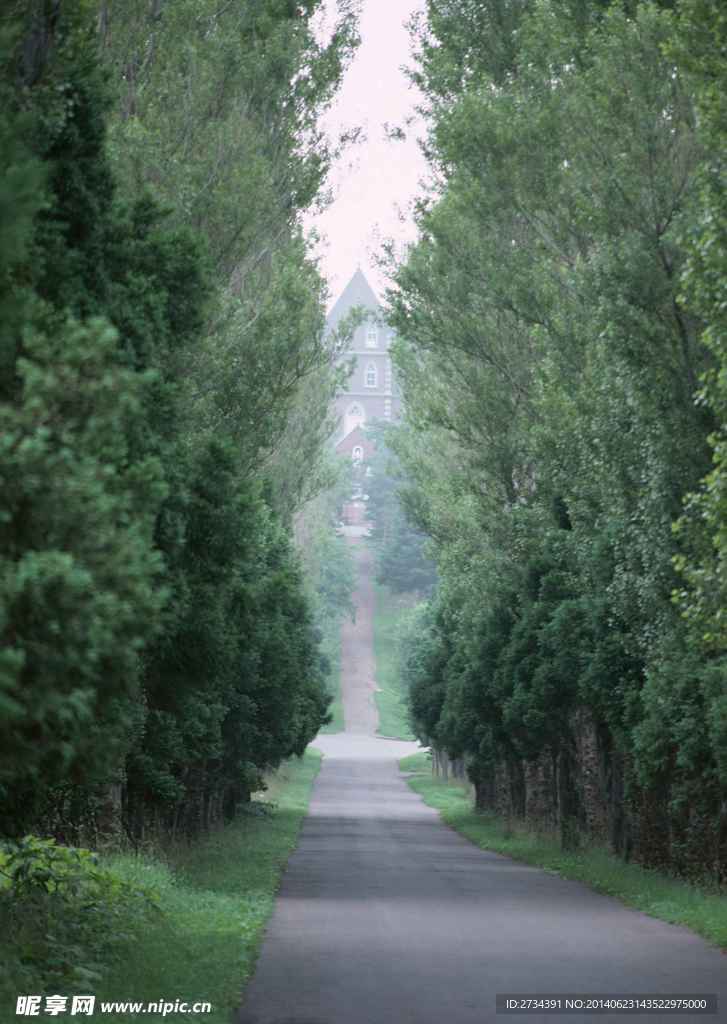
386,916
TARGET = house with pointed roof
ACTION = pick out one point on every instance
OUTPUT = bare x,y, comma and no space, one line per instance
371,391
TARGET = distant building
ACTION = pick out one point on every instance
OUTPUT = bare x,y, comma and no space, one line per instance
371,392
356,444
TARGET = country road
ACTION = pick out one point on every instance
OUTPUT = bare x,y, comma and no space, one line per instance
386,916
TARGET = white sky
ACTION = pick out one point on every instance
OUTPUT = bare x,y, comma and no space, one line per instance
376,181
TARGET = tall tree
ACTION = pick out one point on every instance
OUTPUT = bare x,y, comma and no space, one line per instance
551,361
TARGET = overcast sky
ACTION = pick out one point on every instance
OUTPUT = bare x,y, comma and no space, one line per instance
377,180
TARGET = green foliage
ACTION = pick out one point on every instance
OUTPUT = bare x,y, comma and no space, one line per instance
423,659
217,107
215,897
66,917
550,363
401,560
162,344
134,926
235,684
217,110
698,44
78,569
83,460
334,575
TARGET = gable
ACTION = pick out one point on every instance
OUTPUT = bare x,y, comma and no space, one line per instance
358,292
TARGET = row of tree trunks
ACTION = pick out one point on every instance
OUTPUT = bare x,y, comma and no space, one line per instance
445,767
587,793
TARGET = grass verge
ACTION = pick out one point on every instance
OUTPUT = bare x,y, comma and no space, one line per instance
214,897
390,697
331,648
652,892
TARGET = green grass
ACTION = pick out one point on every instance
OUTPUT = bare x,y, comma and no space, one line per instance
390,697
331,647
668,899
214,897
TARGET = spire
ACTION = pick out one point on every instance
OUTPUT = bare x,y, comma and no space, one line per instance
358,292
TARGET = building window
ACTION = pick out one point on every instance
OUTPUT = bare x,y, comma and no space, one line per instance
372,337
357,453
372,377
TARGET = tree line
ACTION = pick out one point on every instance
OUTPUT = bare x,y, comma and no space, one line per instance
400,558
165,379
563,347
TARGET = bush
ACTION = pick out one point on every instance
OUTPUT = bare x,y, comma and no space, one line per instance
67,915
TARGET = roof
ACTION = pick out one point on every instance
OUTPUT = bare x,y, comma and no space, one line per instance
358,292
354,437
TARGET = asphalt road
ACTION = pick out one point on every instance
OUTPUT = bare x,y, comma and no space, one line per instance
386,916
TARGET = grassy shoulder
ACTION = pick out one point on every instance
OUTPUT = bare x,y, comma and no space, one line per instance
331,648
666,898
390,696
212,901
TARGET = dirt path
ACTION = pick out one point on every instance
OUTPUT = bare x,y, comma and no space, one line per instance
358,669
386,916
